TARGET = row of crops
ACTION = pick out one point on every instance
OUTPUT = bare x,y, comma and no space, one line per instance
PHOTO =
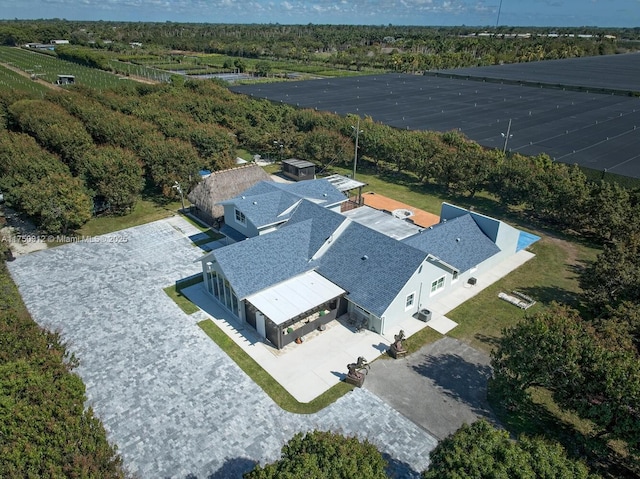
47,67
11,80
139,70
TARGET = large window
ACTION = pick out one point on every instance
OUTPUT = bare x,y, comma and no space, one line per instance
409,301
240,218
437,285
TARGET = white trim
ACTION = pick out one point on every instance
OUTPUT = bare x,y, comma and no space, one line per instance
407,305
239,216
438,284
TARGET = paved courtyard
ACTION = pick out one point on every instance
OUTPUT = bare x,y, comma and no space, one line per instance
172,401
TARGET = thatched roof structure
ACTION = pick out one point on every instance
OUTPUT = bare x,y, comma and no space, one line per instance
223,185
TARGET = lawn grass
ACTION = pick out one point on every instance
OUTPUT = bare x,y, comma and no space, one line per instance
269,385
144,211
175,292
549,276
183,302
198,224
406,187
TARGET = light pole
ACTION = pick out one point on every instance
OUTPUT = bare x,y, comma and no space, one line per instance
506,137
355,155
178,188
279,145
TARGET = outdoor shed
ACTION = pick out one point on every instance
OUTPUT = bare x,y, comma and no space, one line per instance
66,80
223,185
298,170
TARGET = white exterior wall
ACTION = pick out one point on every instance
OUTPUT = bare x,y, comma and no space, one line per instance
248,229
507,239
420,285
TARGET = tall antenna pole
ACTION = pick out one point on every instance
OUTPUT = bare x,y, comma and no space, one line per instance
355,156
499,10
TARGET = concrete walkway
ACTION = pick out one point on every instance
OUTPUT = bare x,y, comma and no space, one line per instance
173,402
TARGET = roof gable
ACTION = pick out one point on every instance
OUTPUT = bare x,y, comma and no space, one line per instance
459,242
267,203
324,223
265,208
262,261
372,267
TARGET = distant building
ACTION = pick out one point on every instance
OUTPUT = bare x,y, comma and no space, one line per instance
65,80
40,46
59,42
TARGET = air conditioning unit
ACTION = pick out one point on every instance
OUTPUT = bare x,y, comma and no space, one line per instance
472,281
424,315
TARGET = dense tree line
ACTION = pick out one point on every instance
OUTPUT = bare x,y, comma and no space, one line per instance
388,47
324,455
170,132
37,183
46,432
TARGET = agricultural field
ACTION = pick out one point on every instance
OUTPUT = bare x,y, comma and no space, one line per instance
139,70
47,68
12,80
159,66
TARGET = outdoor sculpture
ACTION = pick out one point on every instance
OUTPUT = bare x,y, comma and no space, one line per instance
354,376
397,350
362,365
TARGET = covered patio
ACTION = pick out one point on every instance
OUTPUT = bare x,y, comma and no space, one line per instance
292,309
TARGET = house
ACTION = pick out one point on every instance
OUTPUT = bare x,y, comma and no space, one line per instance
317,264
268,204
298,170
222,185
59,42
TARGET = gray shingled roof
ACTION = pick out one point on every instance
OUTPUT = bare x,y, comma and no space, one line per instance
369,265
264,203
372,267
458,242
266,208
324,223
262,261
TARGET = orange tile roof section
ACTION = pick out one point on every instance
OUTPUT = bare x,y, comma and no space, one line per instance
419,217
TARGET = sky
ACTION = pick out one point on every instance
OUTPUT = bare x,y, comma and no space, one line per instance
560,13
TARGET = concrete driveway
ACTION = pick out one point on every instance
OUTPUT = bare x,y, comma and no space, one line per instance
441,386
172,401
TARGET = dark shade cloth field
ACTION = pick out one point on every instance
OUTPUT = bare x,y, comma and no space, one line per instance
593,129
